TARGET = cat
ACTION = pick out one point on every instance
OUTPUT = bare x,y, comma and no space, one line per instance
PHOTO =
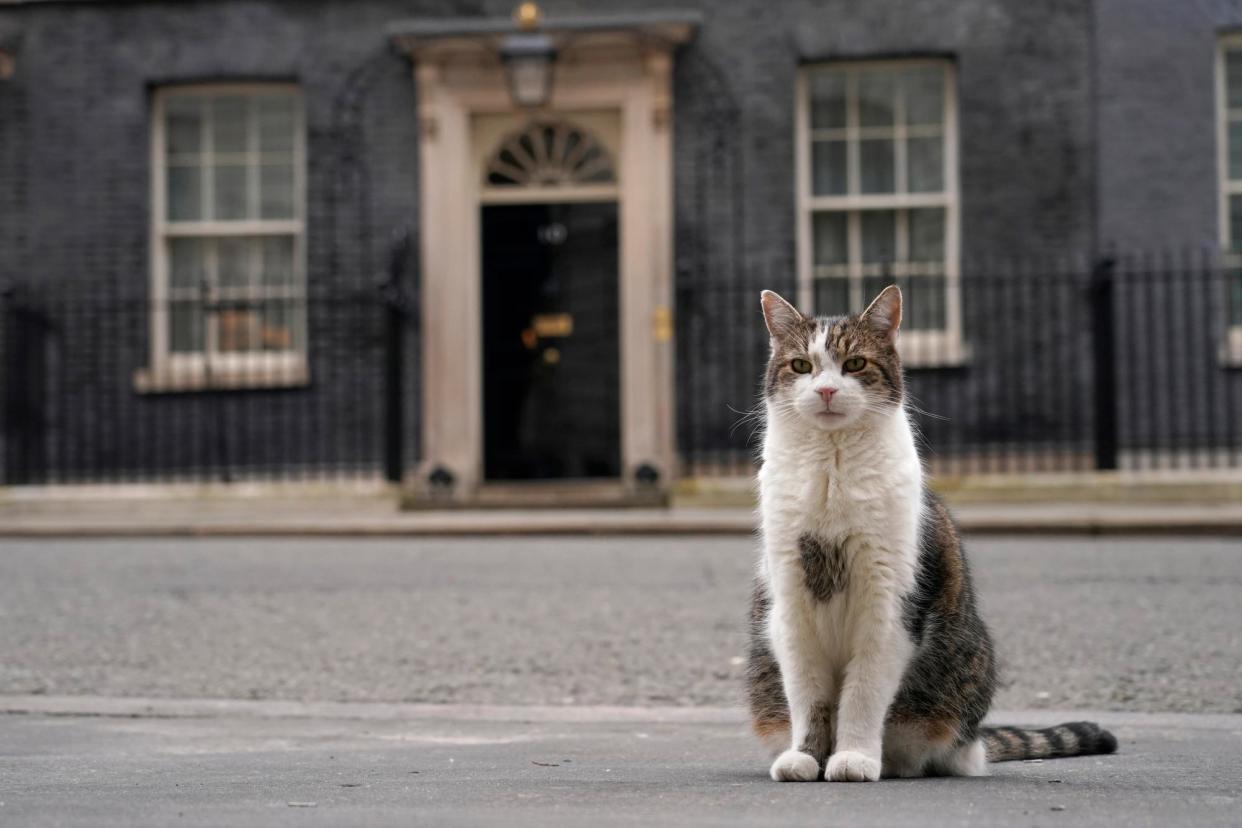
868,657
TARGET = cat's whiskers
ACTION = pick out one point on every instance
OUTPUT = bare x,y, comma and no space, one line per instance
911,403
753,415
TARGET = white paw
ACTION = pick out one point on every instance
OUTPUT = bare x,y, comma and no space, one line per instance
795,766
851,766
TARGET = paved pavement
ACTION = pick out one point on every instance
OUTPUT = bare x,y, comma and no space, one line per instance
591,680
444,768
23,516
1116,623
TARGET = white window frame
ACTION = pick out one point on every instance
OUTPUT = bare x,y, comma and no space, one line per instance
918,348
1231,348
168,371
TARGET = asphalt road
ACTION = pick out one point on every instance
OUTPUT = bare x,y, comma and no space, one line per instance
240,771
1111,624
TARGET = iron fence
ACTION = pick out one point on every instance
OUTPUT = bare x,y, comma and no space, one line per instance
1066,365
1128,363
87,398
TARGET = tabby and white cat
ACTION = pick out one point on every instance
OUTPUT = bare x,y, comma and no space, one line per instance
868,656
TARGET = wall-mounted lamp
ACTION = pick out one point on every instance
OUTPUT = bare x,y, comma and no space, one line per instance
528,57
8,64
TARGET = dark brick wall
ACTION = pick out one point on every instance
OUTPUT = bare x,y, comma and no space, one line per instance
1023,106
1157,120
74,155
1158,196
74,217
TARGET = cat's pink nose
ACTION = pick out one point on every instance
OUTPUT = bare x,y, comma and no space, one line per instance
826,392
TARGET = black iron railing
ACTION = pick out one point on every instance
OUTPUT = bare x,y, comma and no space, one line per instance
109,389
1124,363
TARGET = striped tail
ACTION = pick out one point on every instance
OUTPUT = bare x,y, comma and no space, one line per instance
1005,744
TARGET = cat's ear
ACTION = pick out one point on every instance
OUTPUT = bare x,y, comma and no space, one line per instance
781,317
884,314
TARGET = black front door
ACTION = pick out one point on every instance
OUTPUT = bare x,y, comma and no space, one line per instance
551,407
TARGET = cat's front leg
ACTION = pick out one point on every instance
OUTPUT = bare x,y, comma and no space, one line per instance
880,651
810,719
807,683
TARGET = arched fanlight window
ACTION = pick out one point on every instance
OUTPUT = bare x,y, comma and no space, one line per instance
550,154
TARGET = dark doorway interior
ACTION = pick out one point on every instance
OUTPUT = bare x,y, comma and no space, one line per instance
551,403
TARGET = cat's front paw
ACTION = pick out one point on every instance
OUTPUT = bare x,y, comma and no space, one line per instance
852,766
795,766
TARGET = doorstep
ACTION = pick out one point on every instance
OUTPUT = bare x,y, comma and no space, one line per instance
326,519
555,494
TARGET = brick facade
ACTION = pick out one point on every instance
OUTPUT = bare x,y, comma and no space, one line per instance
75,138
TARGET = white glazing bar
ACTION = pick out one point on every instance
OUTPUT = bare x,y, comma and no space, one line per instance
879,201
207,173
209,321
802,192
853,167
899,136
952,228
852,162
902,226
856,263
233,228
252,165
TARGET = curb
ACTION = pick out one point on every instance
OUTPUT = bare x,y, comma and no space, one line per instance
1074,519
155,708
455,524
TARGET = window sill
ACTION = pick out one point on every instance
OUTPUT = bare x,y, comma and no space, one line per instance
1231,348
920,349
192,376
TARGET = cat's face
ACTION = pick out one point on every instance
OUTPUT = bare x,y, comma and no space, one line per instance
833,372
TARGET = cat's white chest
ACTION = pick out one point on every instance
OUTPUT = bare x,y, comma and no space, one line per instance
818,493
861,499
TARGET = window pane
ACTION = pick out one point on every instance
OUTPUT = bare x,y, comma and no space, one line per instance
927,235
276,123
276,191
230,192
879,236
924,91
828,168
831,238
926,302
828,100
925,173
877,166
185,193
233,263
183,125
832,296
877,92
277,262
1233,78
1235,297
1235,150
228,121
276,333
1235,223
237,328
185,327
186,264
923,300
231,158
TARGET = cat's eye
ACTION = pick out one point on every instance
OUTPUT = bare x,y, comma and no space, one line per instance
854,364
801,366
